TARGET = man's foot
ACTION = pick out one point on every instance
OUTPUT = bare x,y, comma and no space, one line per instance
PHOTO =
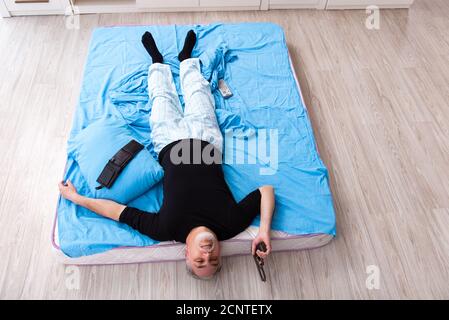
150,46
189,43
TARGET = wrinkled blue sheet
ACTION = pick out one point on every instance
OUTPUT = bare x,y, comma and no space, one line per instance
253,59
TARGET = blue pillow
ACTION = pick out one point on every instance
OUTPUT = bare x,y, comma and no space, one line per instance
93,146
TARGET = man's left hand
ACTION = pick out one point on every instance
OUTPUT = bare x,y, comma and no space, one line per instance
262,237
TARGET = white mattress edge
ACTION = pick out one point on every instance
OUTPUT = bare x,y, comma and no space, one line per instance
169,252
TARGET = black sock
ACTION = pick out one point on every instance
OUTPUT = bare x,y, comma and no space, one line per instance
189,43
150,46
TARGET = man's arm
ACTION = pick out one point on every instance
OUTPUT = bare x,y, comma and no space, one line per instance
266,208
266,214
103,207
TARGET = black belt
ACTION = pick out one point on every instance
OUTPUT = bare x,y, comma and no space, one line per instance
117,163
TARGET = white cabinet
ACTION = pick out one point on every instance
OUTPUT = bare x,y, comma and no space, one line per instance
168,3
38,7
362,4
229,3
117,6
199,4
288,4
33,7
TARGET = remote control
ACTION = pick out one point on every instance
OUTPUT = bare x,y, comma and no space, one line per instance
224,89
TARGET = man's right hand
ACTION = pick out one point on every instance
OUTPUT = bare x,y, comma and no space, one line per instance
68,190
267,202
103,207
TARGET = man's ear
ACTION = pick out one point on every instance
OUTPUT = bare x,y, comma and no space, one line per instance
187,251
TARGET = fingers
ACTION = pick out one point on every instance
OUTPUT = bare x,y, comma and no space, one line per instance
253,248
65,184
268,251
261,254
65,187
268,248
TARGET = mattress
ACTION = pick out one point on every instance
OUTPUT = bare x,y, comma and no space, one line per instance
253,59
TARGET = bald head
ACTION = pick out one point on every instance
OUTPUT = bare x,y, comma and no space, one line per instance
202,253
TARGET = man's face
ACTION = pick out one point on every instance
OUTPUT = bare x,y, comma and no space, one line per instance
203,254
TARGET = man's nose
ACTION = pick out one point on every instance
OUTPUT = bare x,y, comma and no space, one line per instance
206,253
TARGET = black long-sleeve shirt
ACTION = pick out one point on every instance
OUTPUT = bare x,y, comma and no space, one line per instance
195,194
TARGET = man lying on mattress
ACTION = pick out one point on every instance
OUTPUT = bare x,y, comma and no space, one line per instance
198,207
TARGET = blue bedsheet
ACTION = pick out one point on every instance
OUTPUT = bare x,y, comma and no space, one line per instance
253,59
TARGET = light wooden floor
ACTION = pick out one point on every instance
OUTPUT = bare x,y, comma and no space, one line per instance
378,101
